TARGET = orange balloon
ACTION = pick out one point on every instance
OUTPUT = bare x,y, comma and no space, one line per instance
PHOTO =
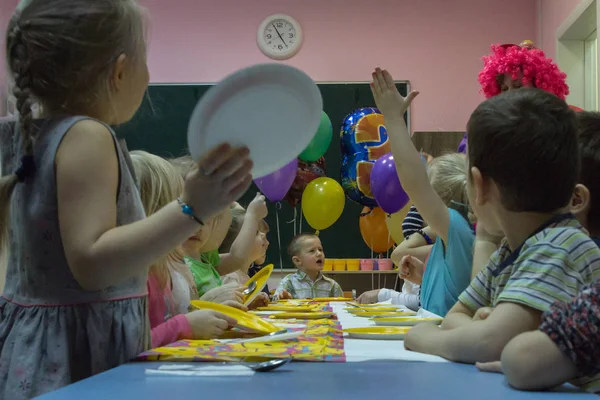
374,231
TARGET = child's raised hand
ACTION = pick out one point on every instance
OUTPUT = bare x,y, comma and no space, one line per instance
258,207
208,324
220,178
387,98
411,269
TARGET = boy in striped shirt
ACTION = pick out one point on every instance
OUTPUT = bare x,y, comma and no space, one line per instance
524,163
308,256
567,343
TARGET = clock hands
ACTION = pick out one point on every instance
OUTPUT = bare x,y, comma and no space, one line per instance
279,34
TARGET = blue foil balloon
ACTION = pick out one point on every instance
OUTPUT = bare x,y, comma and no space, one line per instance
363,139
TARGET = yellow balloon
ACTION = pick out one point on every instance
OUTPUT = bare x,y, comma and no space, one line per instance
323,202
394,224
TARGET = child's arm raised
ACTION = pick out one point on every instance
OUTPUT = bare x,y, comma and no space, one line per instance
411,170
99,253
240,254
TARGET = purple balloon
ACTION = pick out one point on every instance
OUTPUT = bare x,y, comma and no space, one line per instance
386,186
276,185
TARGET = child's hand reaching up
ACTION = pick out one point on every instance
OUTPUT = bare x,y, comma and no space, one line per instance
258,207
208,324
220,178
411,269
387,98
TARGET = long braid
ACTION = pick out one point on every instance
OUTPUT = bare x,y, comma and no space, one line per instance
17,52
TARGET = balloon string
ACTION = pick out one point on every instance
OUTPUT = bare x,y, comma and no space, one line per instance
295,219
317,232
278,206
301,217
388,250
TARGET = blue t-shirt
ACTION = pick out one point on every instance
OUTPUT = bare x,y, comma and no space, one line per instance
448,272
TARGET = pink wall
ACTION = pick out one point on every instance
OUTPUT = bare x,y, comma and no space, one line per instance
436,47
553,13
436,44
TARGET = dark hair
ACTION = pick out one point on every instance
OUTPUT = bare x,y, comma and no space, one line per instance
295,245
61,53
589,149
526,141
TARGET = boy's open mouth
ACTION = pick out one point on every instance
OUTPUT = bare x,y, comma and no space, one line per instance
320,262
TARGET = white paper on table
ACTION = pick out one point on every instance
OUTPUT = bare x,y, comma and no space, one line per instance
206,370
366,350
422,313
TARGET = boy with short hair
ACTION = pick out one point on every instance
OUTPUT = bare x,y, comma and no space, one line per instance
586,199
524,163
566,344
308,256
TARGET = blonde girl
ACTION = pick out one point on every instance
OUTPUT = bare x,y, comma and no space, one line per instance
78,242
449,266
447,176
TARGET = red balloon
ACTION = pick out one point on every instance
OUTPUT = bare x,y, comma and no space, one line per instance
307,172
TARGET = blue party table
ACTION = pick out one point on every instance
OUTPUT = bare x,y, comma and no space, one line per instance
303,380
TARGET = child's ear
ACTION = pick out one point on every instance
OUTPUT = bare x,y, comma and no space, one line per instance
296,261
481,187
580,201
119,70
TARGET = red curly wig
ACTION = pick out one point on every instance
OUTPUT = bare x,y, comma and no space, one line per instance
523,62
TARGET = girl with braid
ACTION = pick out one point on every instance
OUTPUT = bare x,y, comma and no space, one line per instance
78,242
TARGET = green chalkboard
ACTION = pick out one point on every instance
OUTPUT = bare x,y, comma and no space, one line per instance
160,127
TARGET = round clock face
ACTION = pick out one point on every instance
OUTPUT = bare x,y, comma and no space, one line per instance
279,36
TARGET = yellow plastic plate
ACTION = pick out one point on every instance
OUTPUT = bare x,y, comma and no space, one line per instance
378,332
389,314
245,321
354,310
407,321
301,315
261,279
286,308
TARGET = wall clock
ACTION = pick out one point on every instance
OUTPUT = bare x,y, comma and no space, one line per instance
279,36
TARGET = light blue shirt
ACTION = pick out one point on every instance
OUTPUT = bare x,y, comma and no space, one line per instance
448,272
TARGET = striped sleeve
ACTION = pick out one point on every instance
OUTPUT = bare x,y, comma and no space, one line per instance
479,292
285,284
336,290
554,269
412,223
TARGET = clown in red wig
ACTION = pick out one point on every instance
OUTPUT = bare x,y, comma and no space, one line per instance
511,67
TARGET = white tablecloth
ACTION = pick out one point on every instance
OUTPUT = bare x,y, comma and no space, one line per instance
364,350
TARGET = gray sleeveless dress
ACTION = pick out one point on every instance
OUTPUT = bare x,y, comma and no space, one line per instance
53,332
